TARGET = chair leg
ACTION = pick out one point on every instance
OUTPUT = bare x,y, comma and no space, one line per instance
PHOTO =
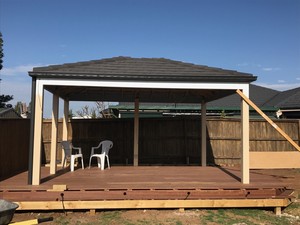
107,159
82,165
99,162
72,163
102,161
90,162
64,162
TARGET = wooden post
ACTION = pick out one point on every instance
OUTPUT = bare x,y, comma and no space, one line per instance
37,136
203,135
32,120
245,140
55,105
136,133
65,127
299,132
277,211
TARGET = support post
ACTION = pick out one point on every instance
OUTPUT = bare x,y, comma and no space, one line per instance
65,127
245,140
37,136
277,211
136,133
32,120
203,134
55,106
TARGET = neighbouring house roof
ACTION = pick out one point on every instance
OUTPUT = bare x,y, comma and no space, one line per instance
9,113
289,99
259,95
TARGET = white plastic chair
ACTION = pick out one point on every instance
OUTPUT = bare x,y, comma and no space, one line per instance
70,154
103,149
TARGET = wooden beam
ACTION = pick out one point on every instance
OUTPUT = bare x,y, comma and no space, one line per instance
32,120
249,102
37,136
141,204
136,133
65,127
53,157
203,135
245,142
65,120
275,160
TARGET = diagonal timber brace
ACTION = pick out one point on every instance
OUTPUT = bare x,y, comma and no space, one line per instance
250,103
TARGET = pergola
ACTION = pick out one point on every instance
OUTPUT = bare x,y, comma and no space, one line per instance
125,79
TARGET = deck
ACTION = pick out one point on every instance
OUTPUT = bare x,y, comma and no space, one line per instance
146,187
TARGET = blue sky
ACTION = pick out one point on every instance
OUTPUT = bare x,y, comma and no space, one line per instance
261,37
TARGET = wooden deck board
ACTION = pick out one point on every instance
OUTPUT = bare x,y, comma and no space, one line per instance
170,177
144,183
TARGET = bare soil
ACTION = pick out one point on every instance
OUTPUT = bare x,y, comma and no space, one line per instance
290,215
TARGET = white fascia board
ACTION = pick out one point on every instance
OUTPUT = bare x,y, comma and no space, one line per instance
148,84
289,110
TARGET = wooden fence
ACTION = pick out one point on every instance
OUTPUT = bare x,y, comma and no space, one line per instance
162,141
14,146
175,140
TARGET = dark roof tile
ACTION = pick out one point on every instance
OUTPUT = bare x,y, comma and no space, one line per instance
289,99
141,68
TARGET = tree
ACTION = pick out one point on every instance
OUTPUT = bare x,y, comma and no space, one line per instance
71,114
99,111
3,98
86,112
1,51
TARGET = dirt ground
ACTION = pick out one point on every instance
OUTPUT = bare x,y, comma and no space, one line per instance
290,215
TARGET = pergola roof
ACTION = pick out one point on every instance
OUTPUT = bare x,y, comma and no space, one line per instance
139,70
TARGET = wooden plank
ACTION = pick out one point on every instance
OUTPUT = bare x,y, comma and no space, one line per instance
274,160
59,194
145,177
54,128
136,133
140,204
59,187
269,120
52,195
203,135
37,136
65,126
245,142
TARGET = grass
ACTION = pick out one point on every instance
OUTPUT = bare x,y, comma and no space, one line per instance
173,217
247,216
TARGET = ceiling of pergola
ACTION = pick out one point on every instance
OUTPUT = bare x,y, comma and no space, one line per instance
72,93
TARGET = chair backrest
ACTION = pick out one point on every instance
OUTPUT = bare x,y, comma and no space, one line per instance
106,145
67,147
